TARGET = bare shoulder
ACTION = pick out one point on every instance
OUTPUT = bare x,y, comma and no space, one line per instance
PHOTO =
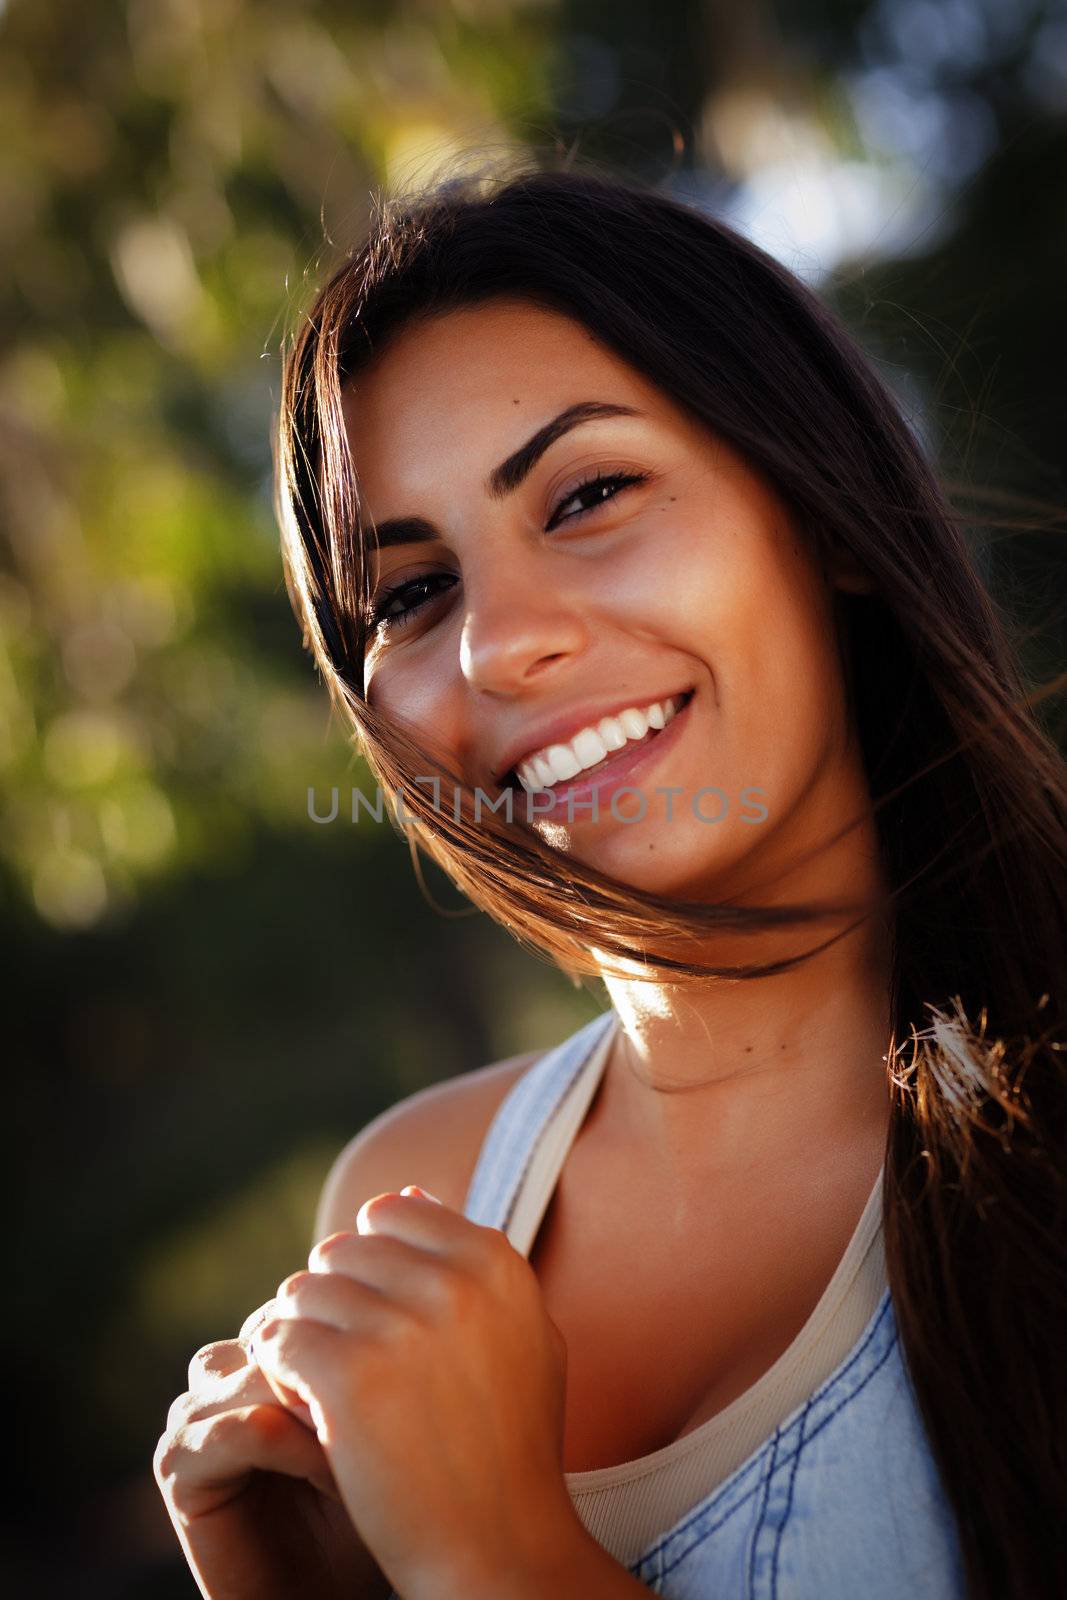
432,1138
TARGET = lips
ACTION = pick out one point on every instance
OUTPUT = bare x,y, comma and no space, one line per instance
618,765
509,778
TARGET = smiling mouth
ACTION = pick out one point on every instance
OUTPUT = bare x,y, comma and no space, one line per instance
511,779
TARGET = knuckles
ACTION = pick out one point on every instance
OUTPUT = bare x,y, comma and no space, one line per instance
324,1248
226,1426
290,1288
455,1294
494,1246
181,1411
483,1283
497,1259
166,1460
378,1205
267,1422
179,1441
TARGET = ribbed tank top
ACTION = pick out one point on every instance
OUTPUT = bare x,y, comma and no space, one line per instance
626,1506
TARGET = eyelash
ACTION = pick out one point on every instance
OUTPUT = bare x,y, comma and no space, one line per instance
378,620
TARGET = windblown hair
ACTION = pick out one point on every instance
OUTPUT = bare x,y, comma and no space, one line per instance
969,793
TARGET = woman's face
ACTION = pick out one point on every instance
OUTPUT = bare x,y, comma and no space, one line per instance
543,606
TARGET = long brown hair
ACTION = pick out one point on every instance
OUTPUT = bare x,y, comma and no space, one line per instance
969,792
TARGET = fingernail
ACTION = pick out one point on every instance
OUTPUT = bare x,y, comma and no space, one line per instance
413,1188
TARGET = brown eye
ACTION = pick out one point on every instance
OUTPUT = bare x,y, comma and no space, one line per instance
384,617
599,488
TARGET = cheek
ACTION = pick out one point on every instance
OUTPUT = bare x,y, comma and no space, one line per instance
674,557
756,616
722,602
403,690
786,676
424,699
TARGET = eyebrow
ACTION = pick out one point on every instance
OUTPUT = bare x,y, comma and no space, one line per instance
506,478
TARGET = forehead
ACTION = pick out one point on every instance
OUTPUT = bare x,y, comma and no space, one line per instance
466,386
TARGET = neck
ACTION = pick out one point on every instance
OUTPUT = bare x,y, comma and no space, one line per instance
768,1068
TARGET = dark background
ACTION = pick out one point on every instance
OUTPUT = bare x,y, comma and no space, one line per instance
208,993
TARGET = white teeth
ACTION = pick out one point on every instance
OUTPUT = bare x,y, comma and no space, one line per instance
611,731
634,723
589,746
562,761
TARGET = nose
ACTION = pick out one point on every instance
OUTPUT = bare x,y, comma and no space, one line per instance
519,625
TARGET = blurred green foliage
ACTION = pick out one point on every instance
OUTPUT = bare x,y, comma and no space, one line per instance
170,173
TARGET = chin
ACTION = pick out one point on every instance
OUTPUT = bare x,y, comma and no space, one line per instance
654,863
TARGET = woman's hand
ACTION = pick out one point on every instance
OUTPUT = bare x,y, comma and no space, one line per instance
435,1379
249,1490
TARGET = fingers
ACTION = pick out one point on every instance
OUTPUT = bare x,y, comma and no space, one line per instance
254,1320
401,1275
414,1216
245,1386
216,1360
423,1221
225,1374
377,1260
198,1459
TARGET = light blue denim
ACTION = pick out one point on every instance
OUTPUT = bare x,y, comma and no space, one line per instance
842,1502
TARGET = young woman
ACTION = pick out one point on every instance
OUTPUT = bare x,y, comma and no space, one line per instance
644,601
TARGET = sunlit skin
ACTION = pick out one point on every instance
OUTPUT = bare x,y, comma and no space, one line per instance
695,578
692,579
